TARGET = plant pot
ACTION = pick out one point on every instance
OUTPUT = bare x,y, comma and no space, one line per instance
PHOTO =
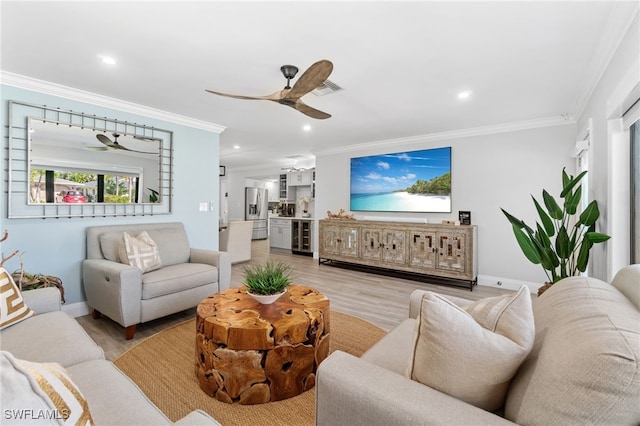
543,288
266,299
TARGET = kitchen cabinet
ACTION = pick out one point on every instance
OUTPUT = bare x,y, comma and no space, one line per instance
446,251
302,236
280,236
300,178
284,187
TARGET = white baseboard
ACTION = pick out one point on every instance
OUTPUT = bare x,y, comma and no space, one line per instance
507,283
76,309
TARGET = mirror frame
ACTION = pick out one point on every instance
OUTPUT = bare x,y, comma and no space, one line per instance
18,160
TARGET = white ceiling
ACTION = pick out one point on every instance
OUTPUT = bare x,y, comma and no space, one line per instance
401,64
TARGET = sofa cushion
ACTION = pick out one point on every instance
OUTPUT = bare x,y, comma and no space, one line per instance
51,337
12,307
393,352
468,358
40,390
113,398
176,278
172,243
110,245
140,251
584,366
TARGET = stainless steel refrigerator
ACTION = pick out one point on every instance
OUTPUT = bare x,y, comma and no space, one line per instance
256,205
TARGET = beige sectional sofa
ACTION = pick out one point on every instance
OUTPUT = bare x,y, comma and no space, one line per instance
583,368
53,336
128,296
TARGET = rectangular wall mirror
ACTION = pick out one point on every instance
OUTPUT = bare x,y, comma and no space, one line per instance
66,164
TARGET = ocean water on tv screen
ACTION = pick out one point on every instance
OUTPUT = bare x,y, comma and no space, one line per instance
401,202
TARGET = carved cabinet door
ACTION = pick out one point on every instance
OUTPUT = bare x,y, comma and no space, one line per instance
394,247
451,251
371,244
422,251
349,241
330,240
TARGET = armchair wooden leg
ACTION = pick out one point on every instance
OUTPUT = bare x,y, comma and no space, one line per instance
95,314
130,331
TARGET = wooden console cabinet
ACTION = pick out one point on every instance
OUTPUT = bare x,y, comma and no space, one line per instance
428,249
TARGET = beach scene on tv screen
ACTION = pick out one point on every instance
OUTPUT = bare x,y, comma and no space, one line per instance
413,181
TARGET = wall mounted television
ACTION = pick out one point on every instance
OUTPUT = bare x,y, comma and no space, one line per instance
409,181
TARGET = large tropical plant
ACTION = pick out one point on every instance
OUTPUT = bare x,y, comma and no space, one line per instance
563,237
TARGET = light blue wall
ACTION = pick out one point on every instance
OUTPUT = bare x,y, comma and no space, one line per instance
57,246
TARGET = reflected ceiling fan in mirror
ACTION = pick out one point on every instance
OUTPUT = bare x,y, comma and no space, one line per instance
113,145
312,78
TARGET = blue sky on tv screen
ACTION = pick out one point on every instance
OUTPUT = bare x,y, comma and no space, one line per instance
391,172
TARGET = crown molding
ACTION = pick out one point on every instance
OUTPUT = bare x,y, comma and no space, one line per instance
620,21
455,134
41,86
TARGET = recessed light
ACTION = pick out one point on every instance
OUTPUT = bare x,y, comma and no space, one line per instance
107,59
306,127
236,147
464,95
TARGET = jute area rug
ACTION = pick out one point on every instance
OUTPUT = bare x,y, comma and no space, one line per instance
163,367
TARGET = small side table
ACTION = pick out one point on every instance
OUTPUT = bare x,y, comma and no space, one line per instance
251,353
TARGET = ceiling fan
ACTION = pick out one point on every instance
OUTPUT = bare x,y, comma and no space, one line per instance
313,77
113,145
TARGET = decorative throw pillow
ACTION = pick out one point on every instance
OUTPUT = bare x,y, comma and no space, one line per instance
141,252
43,391
12,307
472,353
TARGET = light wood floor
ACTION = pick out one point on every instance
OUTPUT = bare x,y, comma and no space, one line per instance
382,300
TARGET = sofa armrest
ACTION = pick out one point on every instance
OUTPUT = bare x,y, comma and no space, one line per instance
219,259
42,300
197,418
355,392
416,300
114,289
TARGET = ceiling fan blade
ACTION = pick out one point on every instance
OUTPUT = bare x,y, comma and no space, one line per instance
313,77
97,148
272,97
311,112
114,145
104,139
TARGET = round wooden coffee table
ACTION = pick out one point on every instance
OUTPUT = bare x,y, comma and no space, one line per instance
251,353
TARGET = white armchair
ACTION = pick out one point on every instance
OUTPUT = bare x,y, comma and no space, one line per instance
236,240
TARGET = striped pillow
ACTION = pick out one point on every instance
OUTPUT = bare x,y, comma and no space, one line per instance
41,391
12,307
140,252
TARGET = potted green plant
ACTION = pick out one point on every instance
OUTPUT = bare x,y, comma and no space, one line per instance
561,241
268,281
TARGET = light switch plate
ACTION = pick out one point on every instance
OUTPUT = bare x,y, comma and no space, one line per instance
204,207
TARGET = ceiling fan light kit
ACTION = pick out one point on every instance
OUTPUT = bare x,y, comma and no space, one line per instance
312,78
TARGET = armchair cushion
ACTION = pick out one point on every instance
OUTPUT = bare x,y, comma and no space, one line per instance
472,353
12,306
172,243
176,278
141,252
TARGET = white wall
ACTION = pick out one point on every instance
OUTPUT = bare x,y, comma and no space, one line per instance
605,105
58,247
488,172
